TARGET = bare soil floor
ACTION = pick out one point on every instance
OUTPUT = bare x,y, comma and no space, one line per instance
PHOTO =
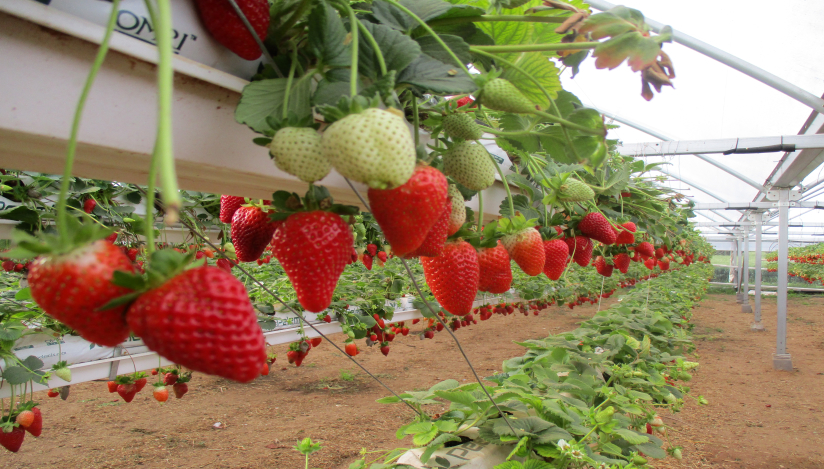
757,417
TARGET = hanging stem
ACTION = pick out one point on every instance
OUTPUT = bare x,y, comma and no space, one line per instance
415,121
480,210
372,42
71,150
353,73
433,33
165,86
150,202
506,184
539,47
499,18
289,82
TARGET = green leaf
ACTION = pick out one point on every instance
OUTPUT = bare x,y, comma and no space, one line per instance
421,439
445,385
431,47
398,19
459,397
543,70
398,50
427,75
652,450
437,444
632,437
20,213
327,36
33,363
23,294
264,98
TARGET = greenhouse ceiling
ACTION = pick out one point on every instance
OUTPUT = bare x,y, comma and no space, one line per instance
714,101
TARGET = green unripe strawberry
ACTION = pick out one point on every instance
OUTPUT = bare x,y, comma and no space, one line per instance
64,373
573,190
297,151
676,453
462,125
458,216
670,398
374,147
469,164
501,95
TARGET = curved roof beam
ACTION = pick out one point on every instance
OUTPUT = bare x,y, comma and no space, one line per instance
732,61
706,158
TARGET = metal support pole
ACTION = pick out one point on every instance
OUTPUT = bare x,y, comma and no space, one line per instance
758,219
734,263
739,269
745,274
782,359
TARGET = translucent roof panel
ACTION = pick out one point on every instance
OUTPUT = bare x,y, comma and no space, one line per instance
712,100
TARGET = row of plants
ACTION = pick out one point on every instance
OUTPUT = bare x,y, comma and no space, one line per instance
591,397
807,254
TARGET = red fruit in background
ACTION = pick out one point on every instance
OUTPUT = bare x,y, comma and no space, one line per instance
13,440
264,371
313,248
372,249
594,225
659,253
25,418
89,205
602,267
127,391
382,256
626,233
580,248
556,253
225,264
316,341
8,266
621,262
407,213
111,238
663,264
439,327
526,248
367,261
228,206
132,254
160,393
453,276
495,269
169,379
202,319
112,386
227,28
385,350
645,249
649,264
327,318
36,428
429,334
351,349
180,389
252,230
139,384
432,245
464,101
72,287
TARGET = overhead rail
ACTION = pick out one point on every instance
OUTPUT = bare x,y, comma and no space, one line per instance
732,61
755,205
726,146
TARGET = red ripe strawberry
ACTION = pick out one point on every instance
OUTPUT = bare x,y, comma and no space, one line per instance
264,371
464,101
621,262
252,231
36,427
453,276
495,269
594,225
351,349
429,334
180,389
407,213
227,28
203,320
127,391
72,287
160,393
111,238
372,249
556,252
526,249
626,233
25,418
139,384
382,256
313,248
13,440
154,372
316,341
53,393
132,254
659,253
664,264
649,263
432,245
645,249
225,264
112,386
327,318
580,247
169,379
385,350
89,205
8,266
367,261
602,267
228,206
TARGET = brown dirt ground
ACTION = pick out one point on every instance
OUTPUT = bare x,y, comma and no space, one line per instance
263,420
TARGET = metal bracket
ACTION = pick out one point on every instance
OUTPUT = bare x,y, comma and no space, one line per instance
795,194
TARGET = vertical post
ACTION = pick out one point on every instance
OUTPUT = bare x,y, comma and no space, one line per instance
745,273
734,263
739,296
758,219
782,359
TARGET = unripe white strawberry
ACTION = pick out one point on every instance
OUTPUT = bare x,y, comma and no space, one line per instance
374,147
458,216
463,126
469,164
297,151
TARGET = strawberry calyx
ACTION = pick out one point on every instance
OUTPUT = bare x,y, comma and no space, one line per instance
515,224
355,105
164,264
82,234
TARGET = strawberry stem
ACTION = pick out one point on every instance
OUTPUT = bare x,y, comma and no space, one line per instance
415,121
369,37
292,67
71,150
353,73
518,48
165,86
480,211
506,184
150,200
